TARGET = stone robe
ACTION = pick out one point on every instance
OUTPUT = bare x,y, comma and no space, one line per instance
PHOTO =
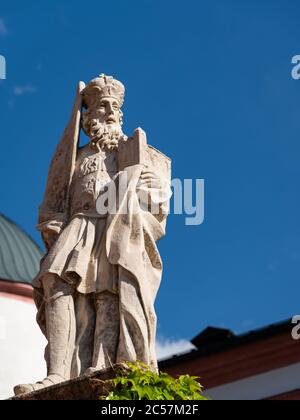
113,252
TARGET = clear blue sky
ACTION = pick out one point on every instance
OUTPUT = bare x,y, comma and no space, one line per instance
210,82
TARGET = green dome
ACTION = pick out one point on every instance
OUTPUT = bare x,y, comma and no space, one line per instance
19,255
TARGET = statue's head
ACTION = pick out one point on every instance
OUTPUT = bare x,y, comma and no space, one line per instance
102,121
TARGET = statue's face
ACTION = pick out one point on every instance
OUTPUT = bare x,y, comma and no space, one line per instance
104,115
108,112
103,121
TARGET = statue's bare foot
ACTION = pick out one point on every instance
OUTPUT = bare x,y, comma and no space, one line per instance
49,381
90,371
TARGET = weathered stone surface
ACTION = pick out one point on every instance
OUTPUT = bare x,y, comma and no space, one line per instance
87,387
97,284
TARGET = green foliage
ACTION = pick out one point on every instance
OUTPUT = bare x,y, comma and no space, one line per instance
135,381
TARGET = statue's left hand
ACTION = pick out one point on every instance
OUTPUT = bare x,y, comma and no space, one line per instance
149,179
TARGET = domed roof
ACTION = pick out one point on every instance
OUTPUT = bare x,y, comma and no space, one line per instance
19,255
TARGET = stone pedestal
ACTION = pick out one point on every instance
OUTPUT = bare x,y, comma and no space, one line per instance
83,388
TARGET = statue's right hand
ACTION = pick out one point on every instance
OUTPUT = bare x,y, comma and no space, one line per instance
49,239
51,230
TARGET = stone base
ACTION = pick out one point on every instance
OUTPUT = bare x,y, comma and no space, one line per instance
83,388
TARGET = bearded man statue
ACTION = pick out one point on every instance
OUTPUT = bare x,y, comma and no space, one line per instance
97,284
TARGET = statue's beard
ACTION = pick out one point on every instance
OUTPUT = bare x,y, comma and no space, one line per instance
104,136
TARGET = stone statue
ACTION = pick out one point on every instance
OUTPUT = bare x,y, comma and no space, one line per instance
97,284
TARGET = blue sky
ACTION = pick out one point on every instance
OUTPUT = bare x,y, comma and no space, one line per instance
210,82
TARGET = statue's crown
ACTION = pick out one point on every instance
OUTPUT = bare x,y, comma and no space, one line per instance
103,86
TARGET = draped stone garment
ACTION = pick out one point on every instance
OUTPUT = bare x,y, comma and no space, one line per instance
131,245
121,254
78,256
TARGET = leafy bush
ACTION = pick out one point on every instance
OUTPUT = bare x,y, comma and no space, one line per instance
135,381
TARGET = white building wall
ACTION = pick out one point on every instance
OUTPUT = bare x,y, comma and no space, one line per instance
21,345
259,387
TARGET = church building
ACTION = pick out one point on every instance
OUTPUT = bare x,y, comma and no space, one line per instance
21,342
